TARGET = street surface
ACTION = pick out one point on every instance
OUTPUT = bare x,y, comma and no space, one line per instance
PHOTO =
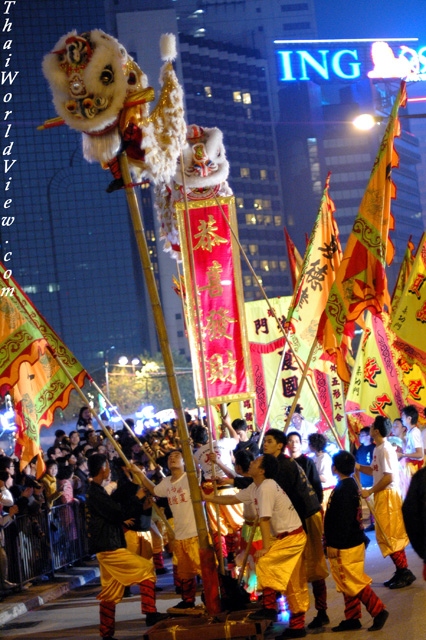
75,615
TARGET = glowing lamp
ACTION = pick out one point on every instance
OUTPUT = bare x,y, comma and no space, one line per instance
364,122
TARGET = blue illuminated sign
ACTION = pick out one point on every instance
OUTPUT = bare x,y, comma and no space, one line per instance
330,63
343,63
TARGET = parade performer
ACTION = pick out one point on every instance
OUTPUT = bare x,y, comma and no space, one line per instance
292,479
231,517
316,564
344,534
413,449
317,443
119,567
99,90
387,503
279,564
186,554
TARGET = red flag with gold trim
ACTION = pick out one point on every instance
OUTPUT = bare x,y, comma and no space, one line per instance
28,370
361,281
294,258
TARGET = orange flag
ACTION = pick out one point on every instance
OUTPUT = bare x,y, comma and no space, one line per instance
361,280
403,275
319,268
294,258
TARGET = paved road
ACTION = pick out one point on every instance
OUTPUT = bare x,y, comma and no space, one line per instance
75,615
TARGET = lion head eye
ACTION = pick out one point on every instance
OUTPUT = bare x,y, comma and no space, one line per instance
107,75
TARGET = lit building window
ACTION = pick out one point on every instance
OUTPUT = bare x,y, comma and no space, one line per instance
53,286
263,174
258,203
249,114
245,172
273,264
267,204
247,98
283,265
277,221
267,220
237,96
247,281
208,92
250,218
264,265
240,203
30,288
253,248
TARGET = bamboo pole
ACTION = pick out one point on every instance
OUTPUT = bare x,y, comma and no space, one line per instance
113,441
247,551
277,377
203,366
203,537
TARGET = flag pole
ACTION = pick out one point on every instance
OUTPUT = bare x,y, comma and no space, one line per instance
113,441
298,391
203,365
208,574
129,429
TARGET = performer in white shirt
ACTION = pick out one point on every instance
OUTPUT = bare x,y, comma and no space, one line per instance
231,518
387,503
279,565
186,554
413,448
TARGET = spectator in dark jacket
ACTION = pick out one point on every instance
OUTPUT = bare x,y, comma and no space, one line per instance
414,513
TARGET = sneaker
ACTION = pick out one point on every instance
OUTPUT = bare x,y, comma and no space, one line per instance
348,625
184,604
320,620
403,579
154,617
379,621
389,582
292,633
263,614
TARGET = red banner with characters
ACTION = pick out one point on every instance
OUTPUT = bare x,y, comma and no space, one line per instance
217,285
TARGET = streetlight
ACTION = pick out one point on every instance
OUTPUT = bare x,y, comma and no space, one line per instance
367,121
123,360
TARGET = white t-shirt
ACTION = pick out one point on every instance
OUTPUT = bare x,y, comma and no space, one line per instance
323,464
413,440
179,498
384,461
223,449
270,501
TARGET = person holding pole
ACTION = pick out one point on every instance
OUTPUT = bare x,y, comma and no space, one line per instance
390,532
231,518
279,563
119,567
186,553
345,538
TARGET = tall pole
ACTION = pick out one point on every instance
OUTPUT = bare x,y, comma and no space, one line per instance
207,560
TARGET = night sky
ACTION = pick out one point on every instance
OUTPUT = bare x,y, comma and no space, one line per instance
371,19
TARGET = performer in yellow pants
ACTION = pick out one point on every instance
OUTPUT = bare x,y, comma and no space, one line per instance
280,565
119,567
387,501
344,533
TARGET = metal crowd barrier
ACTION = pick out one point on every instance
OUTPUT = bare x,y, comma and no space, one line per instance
37,546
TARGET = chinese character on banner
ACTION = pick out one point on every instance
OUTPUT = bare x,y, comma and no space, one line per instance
414,387
290,386
417,285
421,314
218,283
379,405
371,369
261,324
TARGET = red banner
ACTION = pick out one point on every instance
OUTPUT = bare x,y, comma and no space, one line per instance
217,281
